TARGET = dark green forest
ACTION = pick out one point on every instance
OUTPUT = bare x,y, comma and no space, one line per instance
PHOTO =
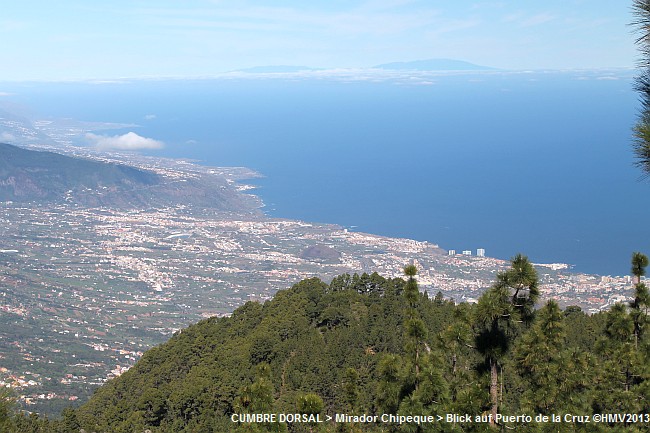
364,344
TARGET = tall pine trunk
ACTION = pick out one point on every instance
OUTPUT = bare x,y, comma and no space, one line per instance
494,391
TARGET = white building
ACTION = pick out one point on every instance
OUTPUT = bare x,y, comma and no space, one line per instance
480,252
451,252
467,253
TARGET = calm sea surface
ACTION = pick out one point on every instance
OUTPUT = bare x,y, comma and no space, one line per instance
538,163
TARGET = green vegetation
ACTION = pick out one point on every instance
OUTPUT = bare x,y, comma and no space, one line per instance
49,176
368,345
52,178
641,143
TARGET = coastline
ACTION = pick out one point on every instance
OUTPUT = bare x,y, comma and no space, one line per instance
133,278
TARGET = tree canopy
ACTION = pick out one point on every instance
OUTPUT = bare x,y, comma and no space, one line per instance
641,142
364,344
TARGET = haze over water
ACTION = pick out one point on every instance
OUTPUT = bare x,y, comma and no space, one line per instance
538,163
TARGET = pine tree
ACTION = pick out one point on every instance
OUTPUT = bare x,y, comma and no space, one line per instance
553,375
310,404
351,389
258,398
456,347
641,143
6,408
416,333
411,291
389,387
500,311
641,302
521,280
416,330
621,365
69,423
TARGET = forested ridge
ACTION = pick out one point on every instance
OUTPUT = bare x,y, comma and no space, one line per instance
364,344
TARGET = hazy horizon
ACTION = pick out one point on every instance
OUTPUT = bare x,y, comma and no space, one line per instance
80,41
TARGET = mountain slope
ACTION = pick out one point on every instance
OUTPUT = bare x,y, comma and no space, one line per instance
27,175
48,177
308,336
368,345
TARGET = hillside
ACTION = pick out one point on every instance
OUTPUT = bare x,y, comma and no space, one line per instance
309,336
49,177
27,175
368,345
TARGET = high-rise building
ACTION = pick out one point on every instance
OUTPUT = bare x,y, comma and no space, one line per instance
451,252
467,253
480,252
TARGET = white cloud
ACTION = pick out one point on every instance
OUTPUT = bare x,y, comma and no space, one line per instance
150,117
5,136
128,141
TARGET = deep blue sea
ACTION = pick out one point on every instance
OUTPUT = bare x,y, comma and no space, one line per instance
537,162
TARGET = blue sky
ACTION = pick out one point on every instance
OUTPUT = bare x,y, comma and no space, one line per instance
80,39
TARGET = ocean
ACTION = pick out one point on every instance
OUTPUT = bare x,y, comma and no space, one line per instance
537,162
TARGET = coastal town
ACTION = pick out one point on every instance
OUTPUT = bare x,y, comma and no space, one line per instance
85,289
93,288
